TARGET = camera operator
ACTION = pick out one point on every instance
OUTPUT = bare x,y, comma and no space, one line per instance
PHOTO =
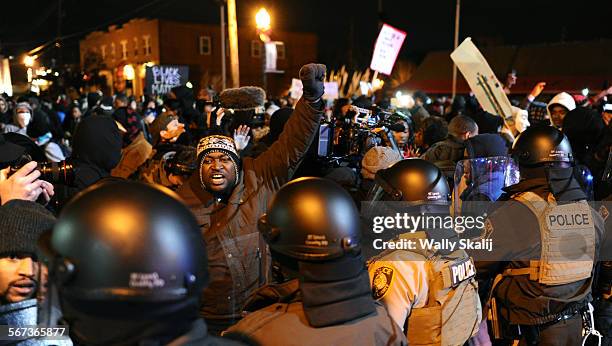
24,183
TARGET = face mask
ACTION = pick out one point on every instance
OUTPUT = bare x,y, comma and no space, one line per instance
23,119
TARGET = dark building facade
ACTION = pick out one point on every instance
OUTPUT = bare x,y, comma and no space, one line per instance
122,53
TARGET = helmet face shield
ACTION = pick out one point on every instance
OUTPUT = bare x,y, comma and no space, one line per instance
482,180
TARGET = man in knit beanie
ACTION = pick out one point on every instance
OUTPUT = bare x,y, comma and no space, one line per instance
22,276
228,194
21,223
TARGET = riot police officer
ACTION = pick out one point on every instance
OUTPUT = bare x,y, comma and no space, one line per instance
418,284
545,237
312,228
128,263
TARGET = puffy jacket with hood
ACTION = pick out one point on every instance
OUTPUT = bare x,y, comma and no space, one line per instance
564,99
96,151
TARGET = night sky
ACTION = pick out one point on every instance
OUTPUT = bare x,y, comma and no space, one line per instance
347,29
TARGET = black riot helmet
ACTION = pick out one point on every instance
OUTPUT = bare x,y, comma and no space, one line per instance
411,180
540,145
312,219
123,256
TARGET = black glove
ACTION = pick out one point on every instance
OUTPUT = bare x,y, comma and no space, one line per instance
312,76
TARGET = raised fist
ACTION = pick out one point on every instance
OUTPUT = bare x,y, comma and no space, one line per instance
313,76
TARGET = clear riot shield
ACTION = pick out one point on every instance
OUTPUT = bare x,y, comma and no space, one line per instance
481,180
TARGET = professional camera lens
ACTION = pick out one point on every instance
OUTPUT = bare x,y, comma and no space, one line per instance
57,172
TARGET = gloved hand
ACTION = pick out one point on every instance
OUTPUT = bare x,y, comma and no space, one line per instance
312,76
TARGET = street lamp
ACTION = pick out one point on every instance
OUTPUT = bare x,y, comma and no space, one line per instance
28,61
262,20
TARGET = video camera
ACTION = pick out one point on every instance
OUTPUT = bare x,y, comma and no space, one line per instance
349,138
181,161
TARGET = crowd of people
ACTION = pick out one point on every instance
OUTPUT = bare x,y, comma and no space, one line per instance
233,218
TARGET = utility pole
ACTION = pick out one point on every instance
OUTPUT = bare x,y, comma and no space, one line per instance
457,14
223,75
233,41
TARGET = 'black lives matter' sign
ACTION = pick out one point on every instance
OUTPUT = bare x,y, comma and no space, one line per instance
160,79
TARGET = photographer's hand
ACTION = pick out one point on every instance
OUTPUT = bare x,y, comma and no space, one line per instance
24,184
241,137
47,191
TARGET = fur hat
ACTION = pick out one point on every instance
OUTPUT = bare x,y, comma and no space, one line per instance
243,98
21,223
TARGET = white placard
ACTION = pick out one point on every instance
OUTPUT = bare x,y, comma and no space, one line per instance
270,56
331,91
387,48
364,88
481,79
296,89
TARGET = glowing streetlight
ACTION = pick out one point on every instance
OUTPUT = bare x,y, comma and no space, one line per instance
28,61
128,72
262,20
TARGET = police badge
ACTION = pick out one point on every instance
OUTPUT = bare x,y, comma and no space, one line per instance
382,280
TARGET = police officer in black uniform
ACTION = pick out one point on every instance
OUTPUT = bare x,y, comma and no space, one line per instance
323,296
545,242
128,263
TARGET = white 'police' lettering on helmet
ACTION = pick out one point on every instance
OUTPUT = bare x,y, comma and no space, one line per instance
462,271
146,280
316,240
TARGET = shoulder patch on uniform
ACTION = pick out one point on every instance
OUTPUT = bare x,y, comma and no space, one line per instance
488,229
604,212
381,281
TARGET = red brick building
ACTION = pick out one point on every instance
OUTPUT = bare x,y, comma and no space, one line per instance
122,52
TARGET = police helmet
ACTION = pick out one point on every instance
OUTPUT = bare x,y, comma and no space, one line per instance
127,249
539,145
411,180
312,219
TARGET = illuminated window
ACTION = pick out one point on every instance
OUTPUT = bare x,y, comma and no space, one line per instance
280,50
113,51
255,49
103,51
205,45
123,49
135,46
147,44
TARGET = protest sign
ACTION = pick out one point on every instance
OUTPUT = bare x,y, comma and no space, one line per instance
481,79
160,79
296,88
387,48
331,91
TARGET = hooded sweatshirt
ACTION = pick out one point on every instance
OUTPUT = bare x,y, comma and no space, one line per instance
96,149
564,99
